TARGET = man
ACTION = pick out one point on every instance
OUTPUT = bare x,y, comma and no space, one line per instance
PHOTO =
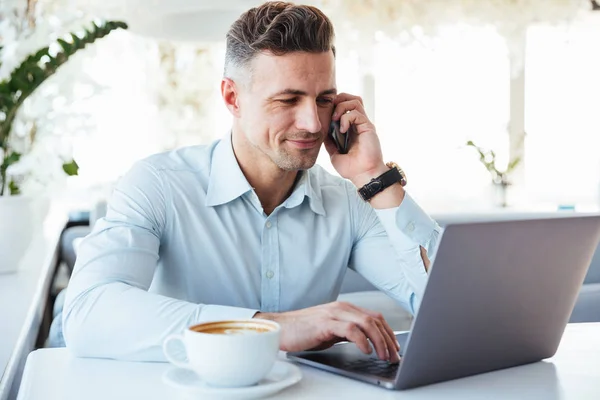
248,227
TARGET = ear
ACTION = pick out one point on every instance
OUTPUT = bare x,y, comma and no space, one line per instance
230,94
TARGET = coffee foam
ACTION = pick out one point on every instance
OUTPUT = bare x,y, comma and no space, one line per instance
233,328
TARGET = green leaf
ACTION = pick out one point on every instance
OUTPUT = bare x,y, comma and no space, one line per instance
17,83
14,188
13,158
38,74
71,168
88,36
68,47
4,88
41,53
6,101
77,41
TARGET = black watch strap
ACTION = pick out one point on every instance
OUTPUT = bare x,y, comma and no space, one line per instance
379,184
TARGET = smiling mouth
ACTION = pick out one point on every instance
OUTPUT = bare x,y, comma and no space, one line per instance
304,143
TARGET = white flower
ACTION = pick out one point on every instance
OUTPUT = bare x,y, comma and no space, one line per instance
8,61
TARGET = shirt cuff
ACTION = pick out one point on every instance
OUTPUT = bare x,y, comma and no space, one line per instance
411,220
219,313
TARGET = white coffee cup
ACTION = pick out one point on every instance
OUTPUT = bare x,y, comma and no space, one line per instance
233,353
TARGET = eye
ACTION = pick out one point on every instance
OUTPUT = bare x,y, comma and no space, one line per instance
324,100
293,100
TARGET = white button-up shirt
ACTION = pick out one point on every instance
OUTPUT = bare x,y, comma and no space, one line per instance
185,240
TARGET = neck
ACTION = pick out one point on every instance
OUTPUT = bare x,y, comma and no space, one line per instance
271,184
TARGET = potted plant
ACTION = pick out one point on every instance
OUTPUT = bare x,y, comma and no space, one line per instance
15,212
499,177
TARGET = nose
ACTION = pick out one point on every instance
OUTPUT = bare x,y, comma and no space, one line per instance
307,118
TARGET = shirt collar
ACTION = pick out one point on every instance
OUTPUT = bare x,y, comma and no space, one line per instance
307,186
227,181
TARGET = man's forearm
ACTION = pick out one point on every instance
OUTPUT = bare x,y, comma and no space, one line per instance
391,197
119,321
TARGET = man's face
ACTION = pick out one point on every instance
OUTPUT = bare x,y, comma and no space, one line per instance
286,109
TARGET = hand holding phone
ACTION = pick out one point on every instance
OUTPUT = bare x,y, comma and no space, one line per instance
341,140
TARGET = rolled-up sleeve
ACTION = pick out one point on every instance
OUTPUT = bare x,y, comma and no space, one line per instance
387,248
108,310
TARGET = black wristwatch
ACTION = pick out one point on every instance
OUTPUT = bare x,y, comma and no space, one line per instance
383,181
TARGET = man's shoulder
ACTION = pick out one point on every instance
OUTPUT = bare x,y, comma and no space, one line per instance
190,158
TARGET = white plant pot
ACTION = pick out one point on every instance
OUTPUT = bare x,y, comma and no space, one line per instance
16,230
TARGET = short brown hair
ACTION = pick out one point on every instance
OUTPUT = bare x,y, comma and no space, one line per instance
279,28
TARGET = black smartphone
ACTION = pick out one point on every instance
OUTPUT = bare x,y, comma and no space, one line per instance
341,140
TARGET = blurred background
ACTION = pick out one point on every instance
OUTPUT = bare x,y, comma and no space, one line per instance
519,78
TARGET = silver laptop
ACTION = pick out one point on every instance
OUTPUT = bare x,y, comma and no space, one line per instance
499,295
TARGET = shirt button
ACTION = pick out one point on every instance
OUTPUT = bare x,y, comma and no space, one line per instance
268,224
270,274
410,227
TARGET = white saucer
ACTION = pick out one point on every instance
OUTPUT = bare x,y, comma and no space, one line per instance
281,376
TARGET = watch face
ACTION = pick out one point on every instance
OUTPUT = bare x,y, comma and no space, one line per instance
403,180
392,164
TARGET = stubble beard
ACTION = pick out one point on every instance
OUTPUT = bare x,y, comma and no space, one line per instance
301,160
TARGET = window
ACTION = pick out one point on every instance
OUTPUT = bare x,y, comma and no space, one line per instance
431,99
563,114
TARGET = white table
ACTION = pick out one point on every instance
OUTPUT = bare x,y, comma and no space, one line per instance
574,373
23,297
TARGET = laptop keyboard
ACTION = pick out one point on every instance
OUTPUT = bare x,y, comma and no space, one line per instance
372,366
